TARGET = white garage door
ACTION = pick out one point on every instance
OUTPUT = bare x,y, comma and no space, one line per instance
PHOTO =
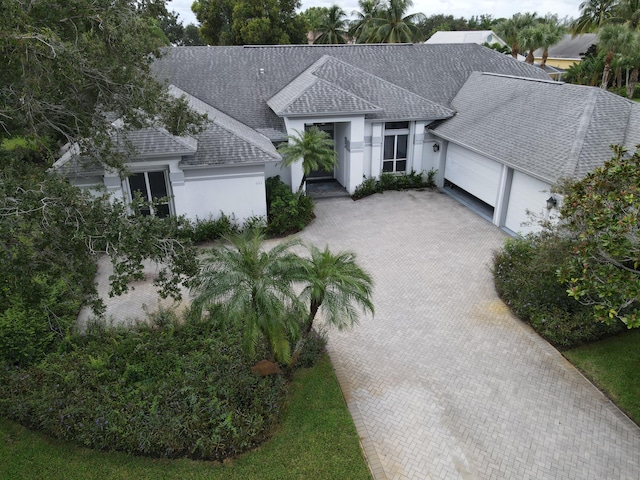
474,173
527,193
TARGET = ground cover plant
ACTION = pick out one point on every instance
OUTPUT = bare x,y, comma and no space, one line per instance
165,389
612,365
315,439
391,181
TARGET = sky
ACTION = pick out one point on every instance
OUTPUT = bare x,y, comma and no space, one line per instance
457,8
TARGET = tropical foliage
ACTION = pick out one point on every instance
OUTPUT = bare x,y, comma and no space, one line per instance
602,213
579,280
250,22
256,288
313,147
332,27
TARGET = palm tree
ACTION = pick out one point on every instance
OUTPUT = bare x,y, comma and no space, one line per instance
530,39
627,12
552,32
333,27
632,56
613,38
254,287
314,147
360,28
510,30
335,285
393,26
593,15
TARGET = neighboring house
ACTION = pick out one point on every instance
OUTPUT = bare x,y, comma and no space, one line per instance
479,37
567,51
389,108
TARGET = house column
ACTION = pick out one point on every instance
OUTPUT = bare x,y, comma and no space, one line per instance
176,178
293,127
418,146
376,149
355,145
113,183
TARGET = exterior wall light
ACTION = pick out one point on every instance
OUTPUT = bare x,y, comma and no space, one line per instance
552,202
436,147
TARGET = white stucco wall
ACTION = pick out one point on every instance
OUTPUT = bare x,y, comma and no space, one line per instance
527,194
237,191
275,168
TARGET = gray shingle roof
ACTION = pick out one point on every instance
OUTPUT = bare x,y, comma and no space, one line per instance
309,94
632,138
226,140
548,129
570,46
239,80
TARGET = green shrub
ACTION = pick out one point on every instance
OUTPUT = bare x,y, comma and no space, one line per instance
209,229
314,348
524,272
392,181
165,390
287,212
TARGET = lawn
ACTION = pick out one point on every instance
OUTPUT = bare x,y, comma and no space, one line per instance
316,439
613,365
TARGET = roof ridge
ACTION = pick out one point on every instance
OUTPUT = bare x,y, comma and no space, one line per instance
578,142
206,108
386,82
528,79
305,74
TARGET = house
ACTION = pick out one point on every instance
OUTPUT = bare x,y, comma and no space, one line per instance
389,108
569,50
479,37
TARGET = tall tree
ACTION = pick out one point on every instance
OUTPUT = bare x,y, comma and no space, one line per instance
530,39
64,64
254,286
510,30
360,28
627,12
333,27
613,38
313,147
552,32
394,26
593,15
250,22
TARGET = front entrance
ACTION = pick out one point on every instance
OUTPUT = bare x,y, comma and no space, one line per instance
322,175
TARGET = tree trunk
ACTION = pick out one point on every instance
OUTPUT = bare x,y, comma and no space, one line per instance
607,69
545,55
514,50
530,58
313,310
631,84
304,179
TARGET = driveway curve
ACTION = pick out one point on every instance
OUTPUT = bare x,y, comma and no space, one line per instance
444,383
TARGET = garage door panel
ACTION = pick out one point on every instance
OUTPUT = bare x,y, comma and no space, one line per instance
527,193
477,175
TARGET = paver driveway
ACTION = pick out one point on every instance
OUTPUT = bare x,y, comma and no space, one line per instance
443,383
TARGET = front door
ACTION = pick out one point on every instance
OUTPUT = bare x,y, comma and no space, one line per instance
322,174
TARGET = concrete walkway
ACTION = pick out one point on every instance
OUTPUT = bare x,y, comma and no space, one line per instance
444,383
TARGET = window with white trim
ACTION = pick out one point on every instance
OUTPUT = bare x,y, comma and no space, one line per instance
396,146
154,188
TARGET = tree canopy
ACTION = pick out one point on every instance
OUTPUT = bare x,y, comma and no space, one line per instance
251,22
602,214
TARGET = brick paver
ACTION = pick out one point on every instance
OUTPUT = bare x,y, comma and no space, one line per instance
444,383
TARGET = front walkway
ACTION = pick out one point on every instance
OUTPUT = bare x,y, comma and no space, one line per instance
444,383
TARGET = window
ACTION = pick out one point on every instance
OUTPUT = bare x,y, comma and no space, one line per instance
396,142
152,187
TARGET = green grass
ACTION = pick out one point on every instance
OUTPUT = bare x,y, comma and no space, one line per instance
316,439
613,365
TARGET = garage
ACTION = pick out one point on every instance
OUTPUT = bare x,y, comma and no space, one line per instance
527,193
473,173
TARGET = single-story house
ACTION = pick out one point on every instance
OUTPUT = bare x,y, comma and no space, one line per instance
493,127
569,50
479,37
